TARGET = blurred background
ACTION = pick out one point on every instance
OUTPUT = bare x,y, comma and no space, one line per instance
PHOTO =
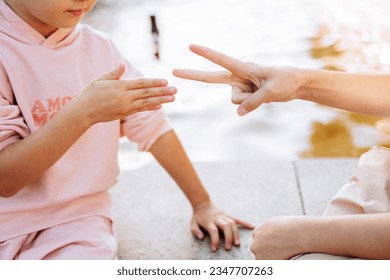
343,35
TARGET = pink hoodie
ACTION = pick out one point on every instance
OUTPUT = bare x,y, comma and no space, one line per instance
38,77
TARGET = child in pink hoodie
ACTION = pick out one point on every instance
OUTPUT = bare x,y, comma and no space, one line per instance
60,120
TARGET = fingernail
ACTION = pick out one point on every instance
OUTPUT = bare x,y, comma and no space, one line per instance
172,90
214,248
242,111
237,242
200,236
164,82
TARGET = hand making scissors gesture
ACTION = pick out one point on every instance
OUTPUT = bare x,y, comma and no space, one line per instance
252,85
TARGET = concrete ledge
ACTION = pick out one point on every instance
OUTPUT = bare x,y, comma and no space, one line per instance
320,179
152,215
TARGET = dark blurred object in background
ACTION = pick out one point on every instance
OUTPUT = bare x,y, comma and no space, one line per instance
155,34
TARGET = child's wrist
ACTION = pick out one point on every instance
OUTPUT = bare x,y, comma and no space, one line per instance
198,204
201,204
81,114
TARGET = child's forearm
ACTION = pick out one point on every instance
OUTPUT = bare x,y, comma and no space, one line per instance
171,155
361,93
25,161
363,236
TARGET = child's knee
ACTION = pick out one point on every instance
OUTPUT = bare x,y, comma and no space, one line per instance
90,238
94,239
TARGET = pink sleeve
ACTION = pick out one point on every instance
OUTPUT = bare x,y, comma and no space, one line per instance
145,128
12,125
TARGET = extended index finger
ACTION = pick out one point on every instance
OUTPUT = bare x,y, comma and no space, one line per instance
230,63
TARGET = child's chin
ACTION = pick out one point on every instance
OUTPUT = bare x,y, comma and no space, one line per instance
70,23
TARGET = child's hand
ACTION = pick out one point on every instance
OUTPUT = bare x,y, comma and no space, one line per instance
252,85
110,98
212,219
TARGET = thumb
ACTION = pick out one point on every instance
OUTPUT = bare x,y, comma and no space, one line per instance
115,74
252,102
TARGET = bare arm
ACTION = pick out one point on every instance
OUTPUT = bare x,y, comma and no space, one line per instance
253,85
361,93
363,236
25,161
170,154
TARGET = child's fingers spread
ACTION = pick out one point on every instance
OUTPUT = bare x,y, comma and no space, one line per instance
225,226
195,229
220,77
236,235
214,236
143,83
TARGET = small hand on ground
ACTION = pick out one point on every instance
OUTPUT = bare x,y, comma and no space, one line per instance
213,220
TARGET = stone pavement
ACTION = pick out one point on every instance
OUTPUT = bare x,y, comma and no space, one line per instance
152,215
